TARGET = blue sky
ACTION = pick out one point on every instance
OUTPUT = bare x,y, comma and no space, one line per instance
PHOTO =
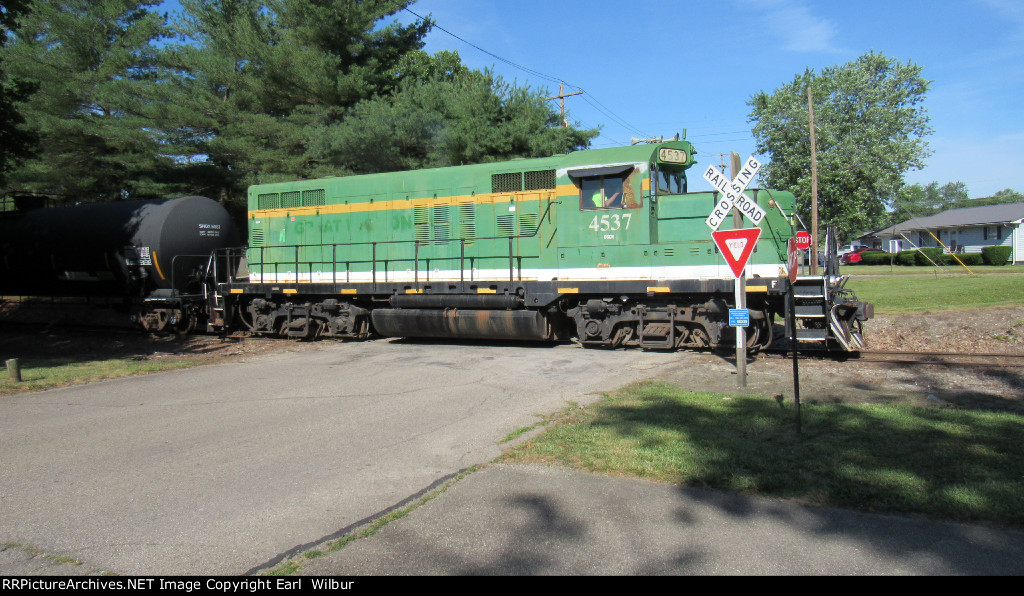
652,68
661,66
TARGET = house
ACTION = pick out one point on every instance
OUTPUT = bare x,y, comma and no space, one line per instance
964,230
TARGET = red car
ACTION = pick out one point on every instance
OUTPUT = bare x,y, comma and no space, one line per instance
854,257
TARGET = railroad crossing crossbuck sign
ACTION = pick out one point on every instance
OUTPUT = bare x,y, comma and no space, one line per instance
733,195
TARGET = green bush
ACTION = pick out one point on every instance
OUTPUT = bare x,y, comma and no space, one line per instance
995,255
969,259
906,257
926,256
875,258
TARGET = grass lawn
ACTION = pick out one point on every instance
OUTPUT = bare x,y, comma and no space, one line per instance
859,270
945,463
49,373
906,293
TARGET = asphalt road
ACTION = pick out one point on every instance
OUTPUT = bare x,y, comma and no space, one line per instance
228,468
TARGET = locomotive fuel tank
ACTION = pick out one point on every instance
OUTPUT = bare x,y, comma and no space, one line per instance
117,248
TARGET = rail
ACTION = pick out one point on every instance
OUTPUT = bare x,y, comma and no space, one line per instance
514,259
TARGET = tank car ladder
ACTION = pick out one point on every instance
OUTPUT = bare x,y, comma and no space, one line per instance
215,305
216,273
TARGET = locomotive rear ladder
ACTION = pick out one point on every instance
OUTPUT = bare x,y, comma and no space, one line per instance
816,322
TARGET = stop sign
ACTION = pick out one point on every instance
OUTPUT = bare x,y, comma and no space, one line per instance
803,240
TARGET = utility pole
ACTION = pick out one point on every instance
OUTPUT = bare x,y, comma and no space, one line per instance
561,100
814,186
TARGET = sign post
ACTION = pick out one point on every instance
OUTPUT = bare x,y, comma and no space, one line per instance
736,247
734,196
793,250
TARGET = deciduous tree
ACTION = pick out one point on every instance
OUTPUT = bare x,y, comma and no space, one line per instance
918,200
871,128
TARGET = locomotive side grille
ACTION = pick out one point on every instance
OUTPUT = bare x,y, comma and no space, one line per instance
466,215
421,223
270,200
257,237
540,180
527,222
291,199
509,182
441,224
669,252
506,225
313,198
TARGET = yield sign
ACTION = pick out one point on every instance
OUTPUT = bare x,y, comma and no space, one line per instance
736,246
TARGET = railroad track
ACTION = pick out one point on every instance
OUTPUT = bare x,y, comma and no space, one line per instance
984,359
981,359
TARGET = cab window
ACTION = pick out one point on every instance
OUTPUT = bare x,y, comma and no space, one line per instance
669,182
603,192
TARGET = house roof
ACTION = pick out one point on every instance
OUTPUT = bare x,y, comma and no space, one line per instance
955,218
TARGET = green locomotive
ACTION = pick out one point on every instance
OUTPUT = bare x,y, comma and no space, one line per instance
602,245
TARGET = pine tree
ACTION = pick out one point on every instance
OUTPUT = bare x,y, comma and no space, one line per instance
16,144
444,115
92,63
254,78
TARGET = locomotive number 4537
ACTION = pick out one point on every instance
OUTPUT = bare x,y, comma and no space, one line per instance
610,223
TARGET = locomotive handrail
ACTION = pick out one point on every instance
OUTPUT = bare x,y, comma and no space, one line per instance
513,256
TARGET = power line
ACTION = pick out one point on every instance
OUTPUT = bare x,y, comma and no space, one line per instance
585,94
493,55
607,112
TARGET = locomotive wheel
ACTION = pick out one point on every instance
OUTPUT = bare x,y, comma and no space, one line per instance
622,334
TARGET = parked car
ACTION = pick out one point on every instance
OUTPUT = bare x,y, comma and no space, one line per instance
856,256
848,249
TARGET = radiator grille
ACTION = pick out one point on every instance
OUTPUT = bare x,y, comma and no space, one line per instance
313,198
270,200
510,182
540,180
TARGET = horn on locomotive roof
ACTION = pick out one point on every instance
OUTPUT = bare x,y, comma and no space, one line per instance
650,140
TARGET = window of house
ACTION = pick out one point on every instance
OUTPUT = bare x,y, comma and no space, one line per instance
999,232
984,233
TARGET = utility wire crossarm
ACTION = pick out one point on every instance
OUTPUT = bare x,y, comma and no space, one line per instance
561,100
